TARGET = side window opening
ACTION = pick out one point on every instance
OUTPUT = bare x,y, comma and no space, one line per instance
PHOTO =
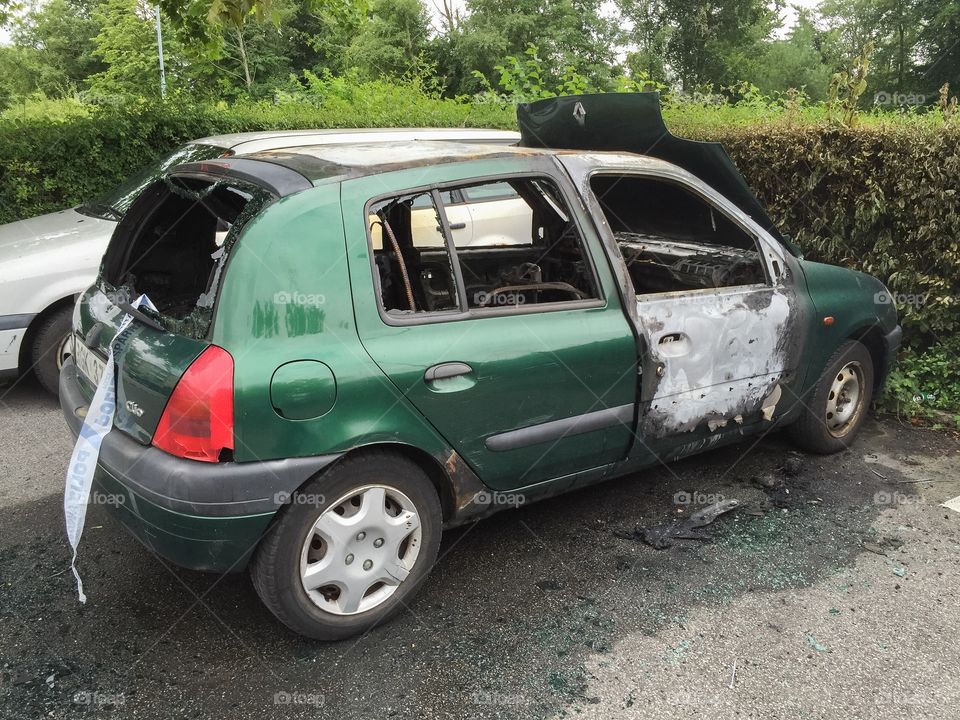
672,239
411,257
174,247
540,258
513,241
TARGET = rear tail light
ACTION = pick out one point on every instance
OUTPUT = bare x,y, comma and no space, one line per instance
197,422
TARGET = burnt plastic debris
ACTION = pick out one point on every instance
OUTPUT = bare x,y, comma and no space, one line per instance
663,536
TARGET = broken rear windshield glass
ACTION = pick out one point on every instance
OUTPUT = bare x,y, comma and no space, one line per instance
113,204
174,244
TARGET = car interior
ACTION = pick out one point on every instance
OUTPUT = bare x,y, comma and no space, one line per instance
672,239
172,254
544,262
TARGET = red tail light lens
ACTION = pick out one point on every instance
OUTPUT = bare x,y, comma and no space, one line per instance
197,422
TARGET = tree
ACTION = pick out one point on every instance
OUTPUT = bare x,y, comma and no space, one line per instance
327,30
938,52
232,16
650,36
55,44
127,45
893,26
796,61
392,40
566,32
20,70
716,42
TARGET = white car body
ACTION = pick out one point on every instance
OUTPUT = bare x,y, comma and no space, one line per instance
48,260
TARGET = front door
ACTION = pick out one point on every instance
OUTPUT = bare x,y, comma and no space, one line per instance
518,354
719,324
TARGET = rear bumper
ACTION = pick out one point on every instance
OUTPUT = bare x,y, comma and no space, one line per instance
203,516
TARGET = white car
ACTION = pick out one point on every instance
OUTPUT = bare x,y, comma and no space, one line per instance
48,260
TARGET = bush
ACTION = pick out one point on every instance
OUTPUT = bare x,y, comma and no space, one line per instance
71,151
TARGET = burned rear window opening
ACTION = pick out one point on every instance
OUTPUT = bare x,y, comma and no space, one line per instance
174,244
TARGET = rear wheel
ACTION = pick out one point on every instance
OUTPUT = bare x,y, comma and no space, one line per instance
839,402
51,348
352,547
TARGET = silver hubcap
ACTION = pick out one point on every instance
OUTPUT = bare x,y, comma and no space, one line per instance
360,549
845,400
63,351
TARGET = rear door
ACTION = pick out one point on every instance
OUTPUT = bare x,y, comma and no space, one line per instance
520,356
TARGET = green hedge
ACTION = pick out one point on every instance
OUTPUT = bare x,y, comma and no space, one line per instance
47,164
881,198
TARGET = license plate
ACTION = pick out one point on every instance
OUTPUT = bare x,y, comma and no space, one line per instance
88,362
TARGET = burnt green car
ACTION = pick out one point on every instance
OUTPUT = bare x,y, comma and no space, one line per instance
337,368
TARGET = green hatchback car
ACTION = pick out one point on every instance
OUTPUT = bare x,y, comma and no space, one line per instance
355,347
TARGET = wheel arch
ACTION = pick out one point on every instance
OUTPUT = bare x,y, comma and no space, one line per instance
871,335
455,483
25,360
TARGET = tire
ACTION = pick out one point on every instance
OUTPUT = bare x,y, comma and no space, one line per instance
327,612
48,353
827,424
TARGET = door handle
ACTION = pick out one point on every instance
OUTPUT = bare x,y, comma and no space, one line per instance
454,226
671,338
443,371
674,345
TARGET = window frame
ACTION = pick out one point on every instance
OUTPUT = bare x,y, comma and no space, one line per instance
770,277
465,312
465,199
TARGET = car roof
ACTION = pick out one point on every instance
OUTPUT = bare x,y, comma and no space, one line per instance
324,162
248,142
287,170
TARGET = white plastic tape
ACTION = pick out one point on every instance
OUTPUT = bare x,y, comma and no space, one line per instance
83,462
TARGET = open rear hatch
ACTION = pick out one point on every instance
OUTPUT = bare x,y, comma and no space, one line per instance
632,122
172,246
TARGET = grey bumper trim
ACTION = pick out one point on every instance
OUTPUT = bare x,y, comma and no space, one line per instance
187,486
16,322
556,429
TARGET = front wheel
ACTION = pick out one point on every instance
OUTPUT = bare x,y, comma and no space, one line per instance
839,402
352,547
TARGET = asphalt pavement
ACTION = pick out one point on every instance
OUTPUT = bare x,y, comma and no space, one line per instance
833,590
